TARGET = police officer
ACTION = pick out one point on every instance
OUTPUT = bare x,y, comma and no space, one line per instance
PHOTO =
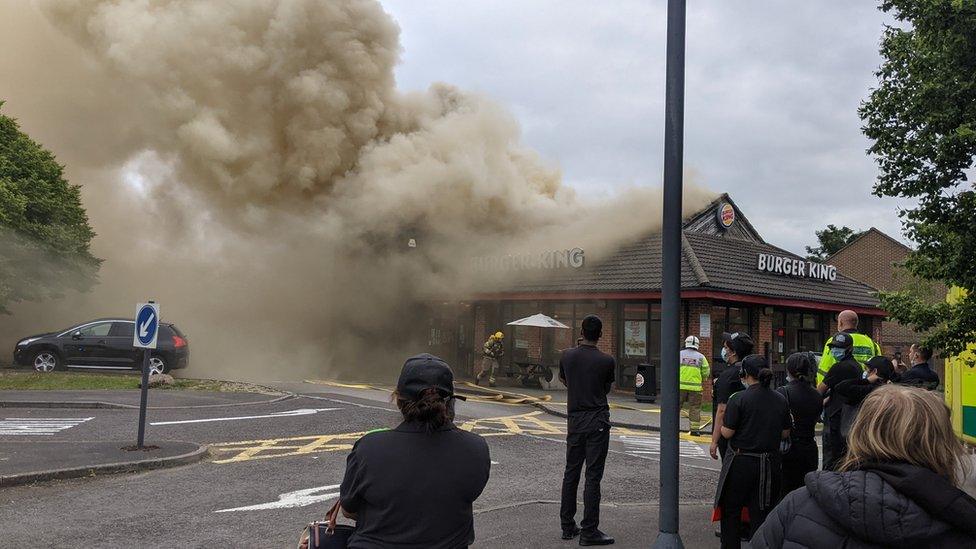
806,405
844,367
693,369
755,422
864,348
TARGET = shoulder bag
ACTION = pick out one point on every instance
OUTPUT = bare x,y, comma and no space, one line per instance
326,534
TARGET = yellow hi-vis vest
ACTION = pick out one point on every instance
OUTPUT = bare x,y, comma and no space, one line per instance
693,369
864,350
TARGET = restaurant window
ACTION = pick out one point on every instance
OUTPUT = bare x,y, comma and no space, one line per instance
521,335
635,331
795,332
729,319
561,338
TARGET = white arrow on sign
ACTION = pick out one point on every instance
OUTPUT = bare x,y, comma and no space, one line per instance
298,498
144,327
289,413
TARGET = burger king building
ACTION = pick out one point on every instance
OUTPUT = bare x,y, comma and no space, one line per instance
731,280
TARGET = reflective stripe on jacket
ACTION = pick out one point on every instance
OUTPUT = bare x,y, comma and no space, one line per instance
693,369
864,350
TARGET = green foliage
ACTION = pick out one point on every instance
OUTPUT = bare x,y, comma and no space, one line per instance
831,240
44,231
922,120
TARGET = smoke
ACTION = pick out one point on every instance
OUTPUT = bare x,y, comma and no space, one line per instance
252,166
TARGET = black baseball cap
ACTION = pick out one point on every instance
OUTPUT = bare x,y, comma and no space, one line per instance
753,363
883,365
842,340
426,371
740,342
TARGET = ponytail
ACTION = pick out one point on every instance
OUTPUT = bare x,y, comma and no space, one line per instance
431,409
800,366
765,377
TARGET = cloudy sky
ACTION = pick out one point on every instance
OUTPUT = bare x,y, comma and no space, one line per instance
771,105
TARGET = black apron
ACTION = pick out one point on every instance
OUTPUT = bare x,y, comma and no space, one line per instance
766,465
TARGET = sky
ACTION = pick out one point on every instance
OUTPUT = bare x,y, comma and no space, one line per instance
772,91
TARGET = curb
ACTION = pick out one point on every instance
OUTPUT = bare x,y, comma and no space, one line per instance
125,467
90,404
621,424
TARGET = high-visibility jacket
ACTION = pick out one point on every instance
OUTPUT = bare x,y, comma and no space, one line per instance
693,369
864,350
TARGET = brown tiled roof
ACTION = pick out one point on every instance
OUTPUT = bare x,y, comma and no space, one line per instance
718,262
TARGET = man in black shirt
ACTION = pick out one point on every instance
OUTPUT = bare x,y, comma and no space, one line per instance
735,347
841,348
921,374
588,375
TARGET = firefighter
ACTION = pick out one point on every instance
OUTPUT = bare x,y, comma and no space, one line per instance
864,347
494,350
693,370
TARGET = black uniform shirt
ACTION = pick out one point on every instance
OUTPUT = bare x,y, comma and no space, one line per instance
758,415
728,383
589,374
805,404
845,369
414,490
920,373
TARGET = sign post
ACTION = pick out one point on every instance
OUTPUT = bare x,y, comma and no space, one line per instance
144,337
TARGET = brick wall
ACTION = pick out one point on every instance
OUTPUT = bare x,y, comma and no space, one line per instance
763,336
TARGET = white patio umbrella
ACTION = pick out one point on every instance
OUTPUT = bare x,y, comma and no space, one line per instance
540,321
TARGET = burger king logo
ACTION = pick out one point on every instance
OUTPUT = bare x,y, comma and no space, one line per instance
726,215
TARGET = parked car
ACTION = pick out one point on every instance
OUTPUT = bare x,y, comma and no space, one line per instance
102,344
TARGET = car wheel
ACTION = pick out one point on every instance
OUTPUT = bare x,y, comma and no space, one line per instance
157,365
46,361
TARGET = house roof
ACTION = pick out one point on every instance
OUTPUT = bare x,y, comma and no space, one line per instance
712,260
873,230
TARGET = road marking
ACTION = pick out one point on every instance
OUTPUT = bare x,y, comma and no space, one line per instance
652,446
298,498
289,413
39,425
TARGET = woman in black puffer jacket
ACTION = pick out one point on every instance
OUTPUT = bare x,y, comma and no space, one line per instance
897,487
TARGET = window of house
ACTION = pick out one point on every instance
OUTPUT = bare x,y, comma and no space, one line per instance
635,331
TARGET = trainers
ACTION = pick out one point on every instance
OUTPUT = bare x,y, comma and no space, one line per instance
595,538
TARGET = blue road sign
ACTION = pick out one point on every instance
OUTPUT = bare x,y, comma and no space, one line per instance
147,326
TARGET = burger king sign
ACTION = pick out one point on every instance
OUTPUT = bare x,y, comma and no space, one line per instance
725,215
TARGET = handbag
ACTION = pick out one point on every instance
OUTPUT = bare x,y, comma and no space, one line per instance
326,534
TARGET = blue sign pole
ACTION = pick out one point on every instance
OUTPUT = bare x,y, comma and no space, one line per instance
146,330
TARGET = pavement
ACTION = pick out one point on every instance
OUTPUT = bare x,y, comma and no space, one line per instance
273,466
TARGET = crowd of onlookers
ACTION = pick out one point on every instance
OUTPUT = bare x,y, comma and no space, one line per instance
891,471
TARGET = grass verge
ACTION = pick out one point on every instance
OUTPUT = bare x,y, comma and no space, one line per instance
70,381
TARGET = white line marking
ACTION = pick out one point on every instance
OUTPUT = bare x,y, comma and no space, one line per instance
39,426
298,498
289,413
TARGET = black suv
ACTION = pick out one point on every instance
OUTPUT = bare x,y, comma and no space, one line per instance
102,344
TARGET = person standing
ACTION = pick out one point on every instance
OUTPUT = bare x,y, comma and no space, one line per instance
921,374
806,405
693,370
844,367
735,347
414,486
755,423
862,349
588,375
899,485
494,350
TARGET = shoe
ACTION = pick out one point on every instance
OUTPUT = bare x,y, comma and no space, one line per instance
491,382
595,538
695,433
570,534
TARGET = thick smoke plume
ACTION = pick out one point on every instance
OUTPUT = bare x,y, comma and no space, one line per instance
283,174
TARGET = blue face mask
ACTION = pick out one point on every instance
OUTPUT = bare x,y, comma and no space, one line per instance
838,353
864,375
725,354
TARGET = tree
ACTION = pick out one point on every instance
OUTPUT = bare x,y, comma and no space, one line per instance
831,240
44,230
922,121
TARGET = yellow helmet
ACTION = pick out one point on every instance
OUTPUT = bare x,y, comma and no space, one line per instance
499,335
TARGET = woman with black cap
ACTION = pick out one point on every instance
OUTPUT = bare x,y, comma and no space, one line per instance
879,372
806,405
756,421
414,486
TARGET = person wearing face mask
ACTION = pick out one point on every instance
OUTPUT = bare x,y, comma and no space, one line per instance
863,347
806,405
921,374
844,367
880,372
735,347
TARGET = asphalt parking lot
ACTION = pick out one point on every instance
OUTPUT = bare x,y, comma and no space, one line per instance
275,466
